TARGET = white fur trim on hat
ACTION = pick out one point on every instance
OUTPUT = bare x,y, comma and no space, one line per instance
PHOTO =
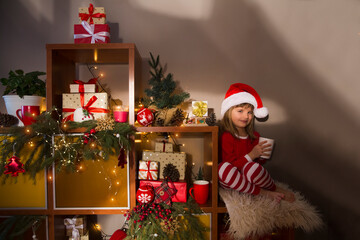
236,99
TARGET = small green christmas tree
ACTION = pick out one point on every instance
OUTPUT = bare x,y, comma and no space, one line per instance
161,94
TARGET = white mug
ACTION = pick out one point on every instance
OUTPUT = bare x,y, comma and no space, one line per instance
268,141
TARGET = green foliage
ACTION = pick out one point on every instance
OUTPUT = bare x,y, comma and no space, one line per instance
150,227
200,175
162,92
24,84
66,150
14,227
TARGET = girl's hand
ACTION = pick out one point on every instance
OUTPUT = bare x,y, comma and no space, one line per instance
261,149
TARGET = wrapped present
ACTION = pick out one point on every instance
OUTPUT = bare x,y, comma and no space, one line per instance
85,237
163,147
148,170
75,227
92,15
96,104
195,122
178,159
181,187
199,109
91,33
82,87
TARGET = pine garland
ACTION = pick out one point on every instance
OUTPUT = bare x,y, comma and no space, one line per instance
147,221
14,227
34,143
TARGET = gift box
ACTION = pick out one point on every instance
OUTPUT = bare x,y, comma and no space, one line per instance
82,88
75,226
92,15
148,170
91,33
195,122
181,187
163,147
95,103
199,109
85,237
178,159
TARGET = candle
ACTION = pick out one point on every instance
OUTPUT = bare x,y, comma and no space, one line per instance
120,114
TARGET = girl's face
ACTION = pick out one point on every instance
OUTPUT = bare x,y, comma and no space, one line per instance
242,116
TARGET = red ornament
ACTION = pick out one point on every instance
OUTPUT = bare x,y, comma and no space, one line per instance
145,194
164,193
122,158
145,117
14,167
118,235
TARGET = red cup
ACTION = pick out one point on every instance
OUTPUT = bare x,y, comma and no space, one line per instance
121,116
201,191
27,114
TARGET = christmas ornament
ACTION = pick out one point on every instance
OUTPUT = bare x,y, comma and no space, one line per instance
118,235
105,123
239,93
122,158
81,114
145,117
163,193
145,194
7,120
177,117
14,167
171,172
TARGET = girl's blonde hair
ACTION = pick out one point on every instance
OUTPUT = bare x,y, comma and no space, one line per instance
228,125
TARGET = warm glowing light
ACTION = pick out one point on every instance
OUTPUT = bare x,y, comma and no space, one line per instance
31,144
137,140
80,167
65,126
147,140
209,163
33,114
117,183
95,67
50,177
95,55
176,135
114,171
101,74
98,227
93,145
27,130
112,199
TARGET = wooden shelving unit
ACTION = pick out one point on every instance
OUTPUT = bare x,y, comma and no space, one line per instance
62,60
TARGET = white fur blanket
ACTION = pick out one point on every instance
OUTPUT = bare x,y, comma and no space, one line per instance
256,215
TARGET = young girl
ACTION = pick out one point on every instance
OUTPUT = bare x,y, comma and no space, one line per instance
241,168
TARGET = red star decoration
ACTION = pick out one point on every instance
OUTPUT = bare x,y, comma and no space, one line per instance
14,167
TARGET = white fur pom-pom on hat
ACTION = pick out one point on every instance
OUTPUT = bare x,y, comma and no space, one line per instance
239,93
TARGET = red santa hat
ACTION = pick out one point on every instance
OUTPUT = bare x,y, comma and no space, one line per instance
239,93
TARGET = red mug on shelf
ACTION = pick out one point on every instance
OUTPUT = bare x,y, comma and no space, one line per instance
201,191
27,114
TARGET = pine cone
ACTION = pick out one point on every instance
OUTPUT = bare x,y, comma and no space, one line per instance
7,120
177,118
211,119
171,172
158,120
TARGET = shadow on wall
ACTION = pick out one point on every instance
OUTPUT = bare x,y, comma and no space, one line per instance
28,31
316,146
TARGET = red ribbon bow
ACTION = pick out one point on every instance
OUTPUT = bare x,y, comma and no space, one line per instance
86,107
148,170
81,84
91,15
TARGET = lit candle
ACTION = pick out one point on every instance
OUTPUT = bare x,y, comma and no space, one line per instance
120,114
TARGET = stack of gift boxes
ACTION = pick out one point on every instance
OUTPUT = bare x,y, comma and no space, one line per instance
92,27
83,102
151,168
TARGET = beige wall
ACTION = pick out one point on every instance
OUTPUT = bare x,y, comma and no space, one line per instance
301,55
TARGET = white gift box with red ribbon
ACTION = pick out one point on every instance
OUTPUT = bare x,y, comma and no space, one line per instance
148,170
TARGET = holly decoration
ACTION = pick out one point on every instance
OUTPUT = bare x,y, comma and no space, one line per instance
145,194
82,114
14,167
164,193
89,136
145,117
